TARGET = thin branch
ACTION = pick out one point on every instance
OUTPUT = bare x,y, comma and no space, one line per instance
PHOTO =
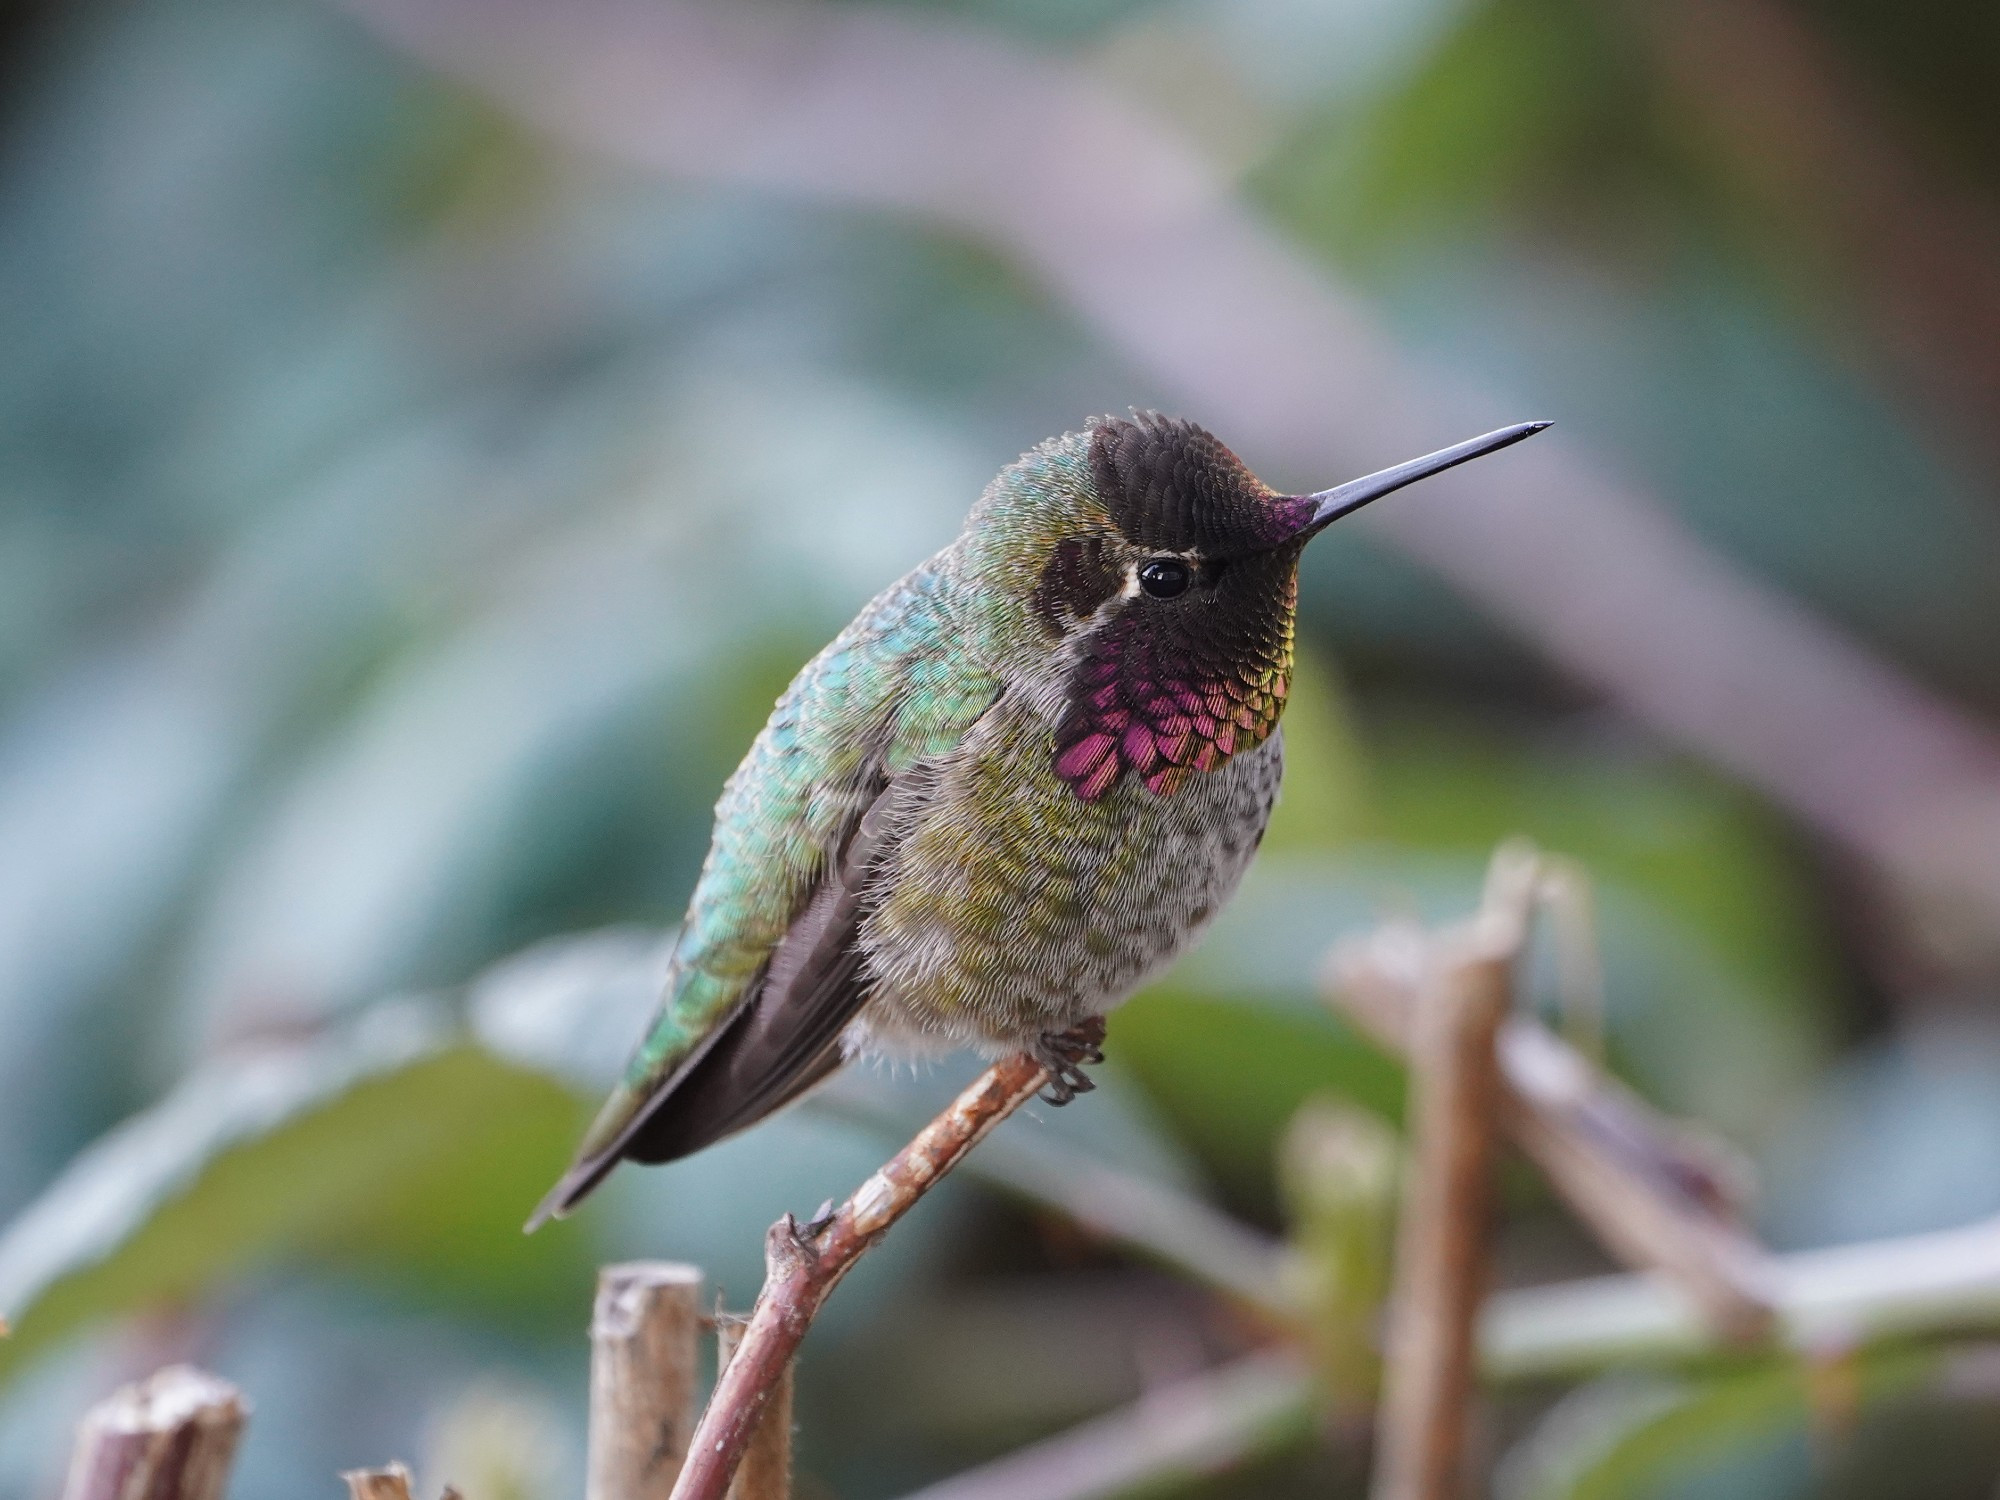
172,1436
1442,1245
803,1264
1200,1426
644,1333
1657,1198
868,104
766,1470
1153,1220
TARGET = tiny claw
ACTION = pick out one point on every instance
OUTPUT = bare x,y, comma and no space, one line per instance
1065,1054
1064,1085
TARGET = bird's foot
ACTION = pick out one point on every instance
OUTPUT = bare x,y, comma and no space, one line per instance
1065,1054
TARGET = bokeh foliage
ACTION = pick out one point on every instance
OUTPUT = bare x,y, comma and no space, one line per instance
406,520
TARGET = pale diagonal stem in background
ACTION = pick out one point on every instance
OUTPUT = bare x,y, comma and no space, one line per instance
1156,255
1800,132
1201,1425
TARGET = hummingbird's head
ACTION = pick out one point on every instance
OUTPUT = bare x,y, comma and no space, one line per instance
1159,577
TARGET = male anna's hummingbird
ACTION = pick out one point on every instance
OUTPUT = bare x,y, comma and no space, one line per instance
1021,781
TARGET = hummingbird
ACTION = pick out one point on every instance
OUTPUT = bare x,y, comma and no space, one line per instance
1021,781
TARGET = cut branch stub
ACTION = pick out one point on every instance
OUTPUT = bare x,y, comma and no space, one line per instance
644,1332
390,1482
172,1436
1441,1261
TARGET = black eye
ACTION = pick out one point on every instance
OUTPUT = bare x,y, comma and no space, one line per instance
1164,577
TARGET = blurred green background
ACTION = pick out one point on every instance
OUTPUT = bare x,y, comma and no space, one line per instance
408,513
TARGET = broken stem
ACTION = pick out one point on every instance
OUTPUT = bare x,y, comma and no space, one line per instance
1441,1262
172,1436
644,1331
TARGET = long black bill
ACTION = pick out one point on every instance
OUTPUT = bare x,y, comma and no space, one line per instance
1345,499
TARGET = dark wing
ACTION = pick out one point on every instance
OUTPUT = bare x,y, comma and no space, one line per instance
785,1035
767,972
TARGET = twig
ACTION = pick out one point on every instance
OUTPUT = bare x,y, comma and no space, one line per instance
391,1482
1441,1253
1657,1199
644,1330
766,1470
172,1436
1203,1425
1154,1220
1915,1287
1920,1286
1650,1197
803,1264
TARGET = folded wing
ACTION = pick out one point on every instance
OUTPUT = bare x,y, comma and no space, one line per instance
770,970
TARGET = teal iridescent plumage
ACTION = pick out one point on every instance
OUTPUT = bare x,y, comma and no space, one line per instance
1021,780
881,698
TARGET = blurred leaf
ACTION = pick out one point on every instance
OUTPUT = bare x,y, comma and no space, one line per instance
1719,971
1624,1437
1522,99
1229,1075
1340,1170
497,1441
388,1141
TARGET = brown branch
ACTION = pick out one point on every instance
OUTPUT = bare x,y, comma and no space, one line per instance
1442,1250
1657,1199
803,1264
1154,1220
172,1436
766,1470
391,1482
644,1330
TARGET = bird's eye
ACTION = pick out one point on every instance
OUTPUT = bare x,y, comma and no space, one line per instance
1164,577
